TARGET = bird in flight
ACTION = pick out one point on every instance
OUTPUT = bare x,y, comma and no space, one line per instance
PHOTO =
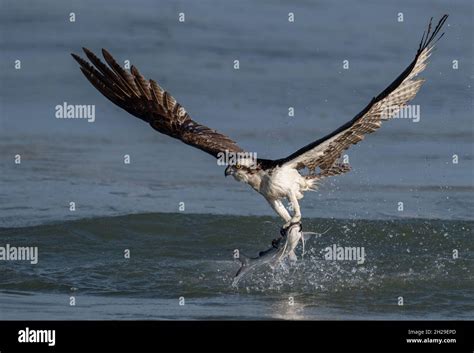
277,180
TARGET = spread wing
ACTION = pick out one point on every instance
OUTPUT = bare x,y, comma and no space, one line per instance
325,152
148,101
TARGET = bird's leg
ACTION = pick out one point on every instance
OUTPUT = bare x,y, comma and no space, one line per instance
296,219
296,207
278,207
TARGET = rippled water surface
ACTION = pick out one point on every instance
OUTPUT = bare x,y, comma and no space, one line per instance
189,253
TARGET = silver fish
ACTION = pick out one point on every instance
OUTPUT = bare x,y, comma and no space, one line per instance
282,248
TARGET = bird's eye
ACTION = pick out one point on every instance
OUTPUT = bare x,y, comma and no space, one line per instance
238,166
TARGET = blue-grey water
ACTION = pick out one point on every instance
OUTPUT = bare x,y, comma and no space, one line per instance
187,252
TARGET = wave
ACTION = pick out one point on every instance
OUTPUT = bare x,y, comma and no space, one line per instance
193,254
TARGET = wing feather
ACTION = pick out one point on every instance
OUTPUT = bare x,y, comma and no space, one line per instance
325,152
146,100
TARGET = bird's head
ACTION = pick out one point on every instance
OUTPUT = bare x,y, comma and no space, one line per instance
240,172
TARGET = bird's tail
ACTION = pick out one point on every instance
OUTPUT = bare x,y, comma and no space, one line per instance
312,182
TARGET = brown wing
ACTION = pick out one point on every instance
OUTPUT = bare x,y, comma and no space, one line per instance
325,152
148,101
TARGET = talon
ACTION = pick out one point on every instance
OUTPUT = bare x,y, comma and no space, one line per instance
286,226
296,223
275,243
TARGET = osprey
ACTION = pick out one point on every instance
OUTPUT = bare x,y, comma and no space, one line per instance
277,180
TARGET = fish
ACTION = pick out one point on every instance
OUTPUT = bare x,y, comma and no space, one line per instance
282,248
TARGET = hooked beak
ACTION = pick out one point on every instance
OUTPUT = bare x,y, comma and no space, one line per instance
227,172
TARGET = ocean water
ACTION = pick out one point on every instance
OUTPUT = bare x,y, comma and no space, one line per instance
176,256
188,253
